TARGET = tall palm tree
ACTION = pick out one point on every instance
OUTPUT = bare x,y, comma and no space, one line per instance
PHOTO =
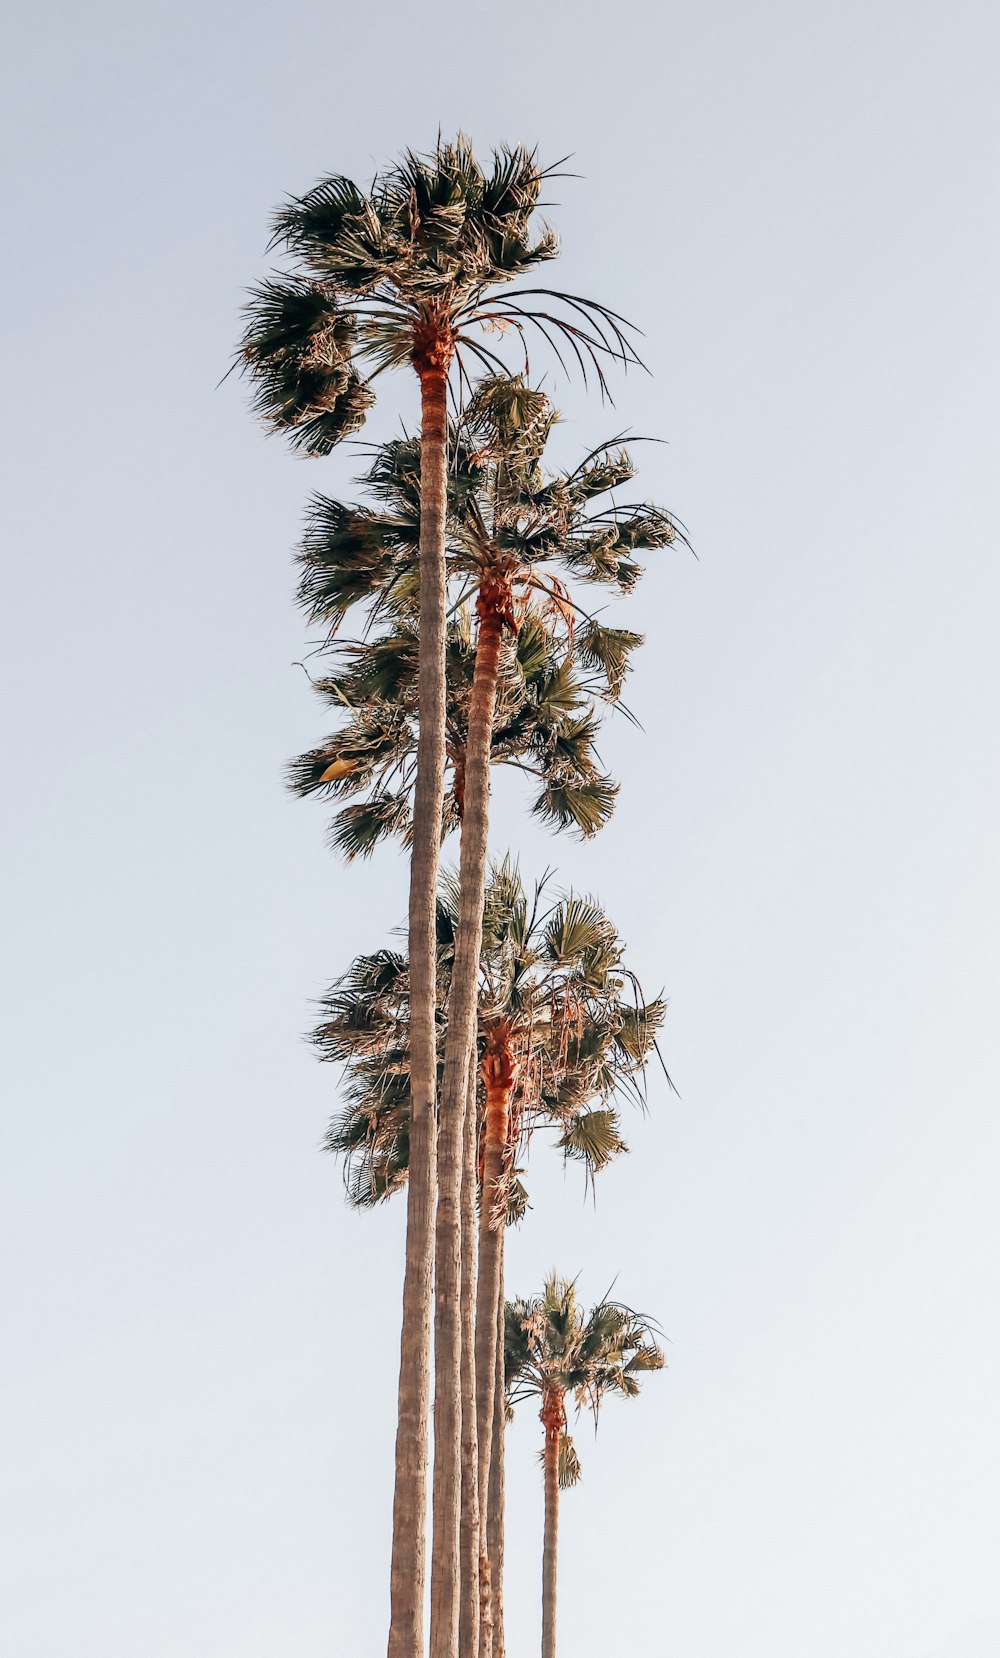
407,273
515,532
553,1350
562,1031
496,1497
546,719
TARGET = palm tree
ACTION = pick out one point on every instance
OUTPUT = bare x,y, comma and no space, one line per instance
552,1350
514,533
406,274
496,1496
562,1031
561,1038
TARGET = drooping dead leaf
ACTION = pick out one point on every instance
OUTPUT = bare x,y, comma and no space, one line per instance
338,768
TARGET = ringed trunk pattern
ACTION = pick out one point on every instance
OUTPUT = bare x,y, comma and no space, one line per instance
409,1547
471,1518
499,1072
495,1499
553,1415
460,1046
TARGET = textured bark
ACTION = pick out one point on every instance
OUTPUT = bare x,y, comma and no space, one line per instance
468,1615
459,1048
408,1571
554,1418
496,1497
499,1076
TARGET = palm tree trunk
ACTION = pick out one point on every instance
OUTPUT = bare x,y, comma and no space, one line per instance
468,1617
553,1417
409,1547
499,1075
495,1499
459,1047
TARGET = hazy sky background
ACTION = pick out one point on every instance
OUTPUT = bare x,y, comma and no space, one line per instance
798,205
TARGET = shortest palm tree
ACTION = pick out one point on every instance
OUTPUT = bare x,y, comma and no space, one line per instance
552,1349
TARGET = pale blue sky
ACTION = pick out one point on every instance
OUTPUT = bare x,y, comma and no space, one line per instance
798,205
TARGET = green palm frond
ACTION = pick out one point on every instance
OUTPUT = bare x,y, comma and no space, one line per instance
638,1028
608,650
593,1138
557,690
577,927
357,830
351,555
581,806
316,220
298,348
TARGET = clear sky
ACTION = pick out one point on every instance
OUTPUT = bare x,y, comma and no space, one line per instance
798,205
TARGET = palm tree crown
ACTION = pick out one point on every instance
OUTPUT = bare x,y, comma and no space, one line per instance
553,991
403,273
554,1350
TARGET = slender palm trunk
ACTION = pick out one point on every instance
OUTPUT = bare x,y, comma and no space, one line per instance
554,1418
459,1047
408,1572
499,1076
496,1496
468,1619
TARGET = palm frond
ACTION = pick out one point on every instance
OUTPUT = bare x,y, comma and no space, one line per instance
581,805
608,650
357,830
593,1138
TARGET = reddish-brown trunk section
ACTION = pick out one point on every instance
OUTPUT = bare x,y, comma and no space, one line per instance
496,1499
499,1073
553,1414
471,1519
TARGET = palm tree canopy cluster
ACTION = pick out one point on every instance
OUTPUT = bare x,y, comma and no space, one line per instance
528,534
552,987
457,633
